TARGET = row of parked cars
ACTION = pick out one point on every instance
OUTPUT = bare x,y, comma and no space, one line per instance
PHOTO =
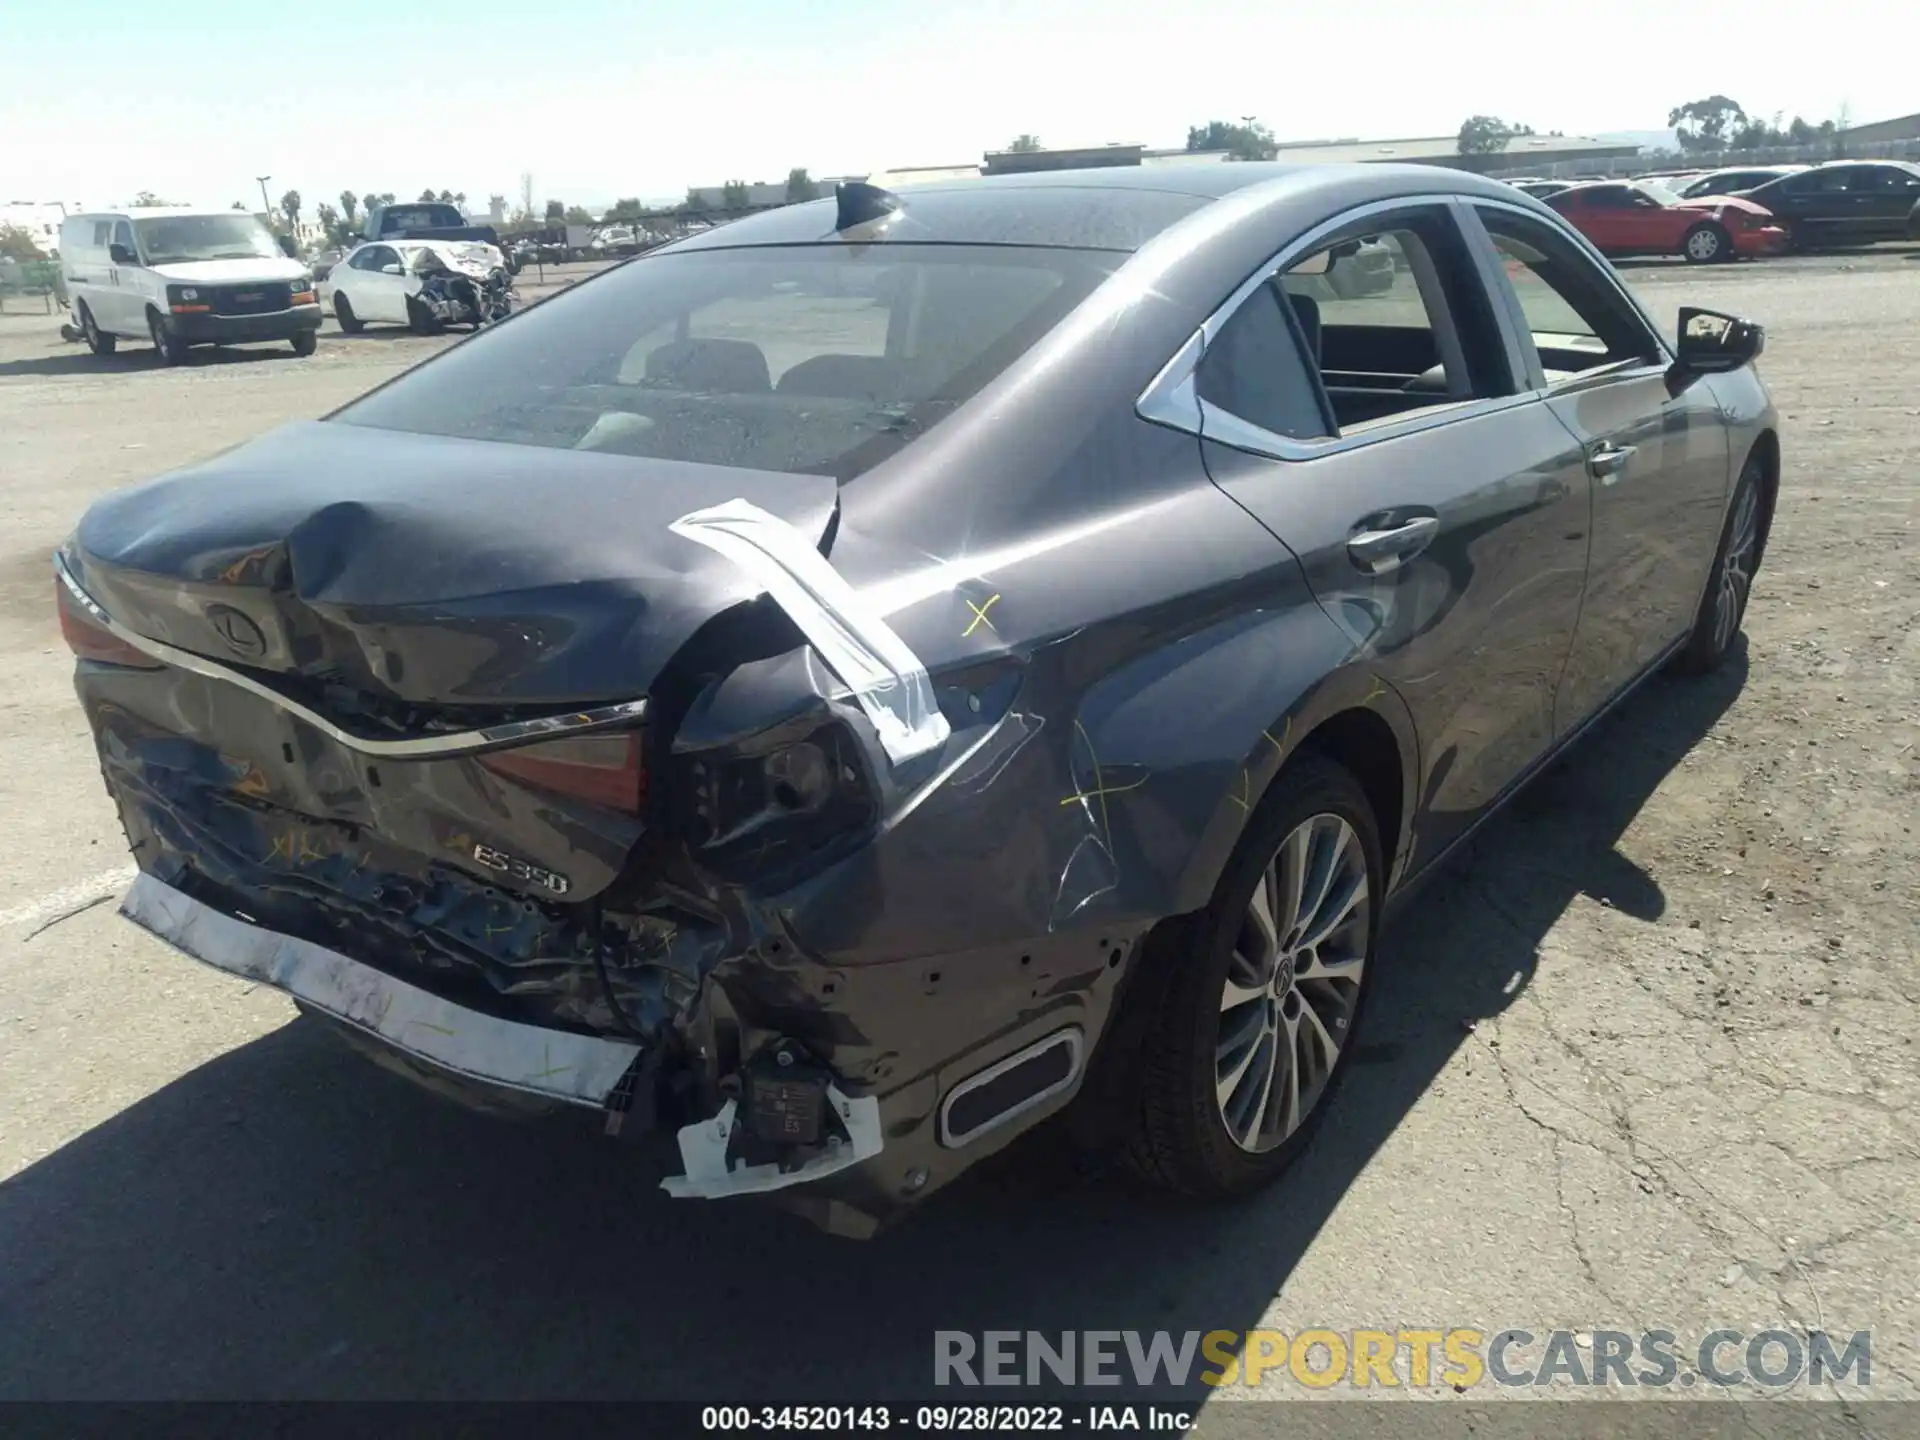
1743,213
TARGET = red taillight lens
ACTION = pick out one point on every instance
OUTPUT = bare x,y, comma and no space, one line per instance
90,640
600,769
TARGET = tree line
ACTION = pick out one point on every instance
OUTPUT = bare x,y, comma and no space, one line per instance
1718,123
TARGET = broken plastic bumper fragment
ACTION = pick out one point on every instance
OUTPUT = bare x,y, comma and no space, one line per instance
557,1064
715,1168
849,634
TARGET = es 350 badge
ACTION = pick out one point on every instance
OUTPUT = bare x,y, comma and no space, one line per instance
520,870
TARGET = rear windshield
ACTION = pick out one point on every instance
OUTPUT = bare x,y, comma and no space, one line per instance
814,359
421,217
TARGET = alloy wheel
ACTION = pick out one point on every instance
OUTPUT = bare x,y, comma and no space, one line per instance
1703,244
1736,568
1293,983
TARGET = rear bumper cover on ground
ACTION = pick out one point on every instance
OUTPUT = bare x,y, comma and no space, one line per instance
555,1064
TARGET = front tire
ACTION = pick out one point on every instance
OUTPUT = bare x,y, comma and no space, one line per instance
98,341
1724,605
1706,244
170,347
306,342
1262,992
420,320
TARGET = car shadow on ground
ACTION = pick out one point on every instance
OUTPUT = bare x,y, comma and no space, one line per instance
377,333
131,359
288,1220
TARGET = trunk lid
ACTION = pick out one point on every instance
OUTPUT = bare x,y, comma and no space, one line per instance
406,586
427,570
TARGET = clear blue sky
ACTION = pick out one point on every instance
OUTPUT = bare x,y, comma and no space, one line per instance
599,99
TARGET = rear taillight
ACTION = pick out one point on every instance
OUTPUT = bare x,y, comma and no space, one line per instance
91,640
600,769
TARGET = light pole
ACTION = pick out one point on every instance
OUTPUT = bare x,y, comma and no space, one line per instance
265,204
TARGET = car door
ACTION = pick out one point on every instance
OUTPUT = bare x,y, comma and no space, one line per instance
1439,515
1655,228
376,294
1821,204
1658,462
1617,223
1886,194
128,308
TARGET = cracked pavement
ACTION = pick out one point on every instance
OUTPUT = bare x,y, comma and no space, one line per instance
1645,1058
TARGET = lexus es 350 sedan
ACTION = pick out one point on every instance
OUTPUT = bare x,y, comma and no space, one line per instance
836,690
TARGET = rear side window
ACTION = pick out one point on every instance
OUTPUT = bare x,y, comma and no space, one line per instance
814,359
1254,370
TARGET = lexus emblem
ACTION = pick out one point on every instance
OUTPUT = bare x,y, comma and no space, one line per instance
243,637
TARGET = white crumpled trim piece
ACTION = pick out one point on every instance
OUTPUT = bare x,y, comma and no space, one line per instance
703,1153
886,677
577,1069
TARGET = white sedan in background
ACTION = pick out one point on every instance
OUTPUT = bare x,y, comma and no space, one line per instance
381,282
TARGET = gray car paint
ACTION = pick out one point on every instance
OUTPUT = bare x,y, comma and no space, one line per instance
1130,630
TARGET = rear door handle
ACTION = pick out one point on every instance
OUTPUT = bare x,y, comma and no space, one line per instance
1377,551
1607,461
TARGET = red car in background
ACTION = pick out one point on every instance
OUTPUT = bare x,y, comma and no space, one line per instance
1641,218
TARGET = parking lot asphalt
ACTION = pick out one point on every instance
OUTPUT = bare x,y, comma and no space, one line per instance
1644,1059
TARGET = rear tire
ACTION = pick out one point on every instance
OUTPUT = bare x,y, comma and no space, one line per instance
1235,1071
343,316
306,342
98,341
1724,605
1706,244
170,347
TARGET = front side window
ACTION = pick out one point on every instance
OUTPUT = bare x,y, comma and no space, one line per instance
806,359
1577,320
175,239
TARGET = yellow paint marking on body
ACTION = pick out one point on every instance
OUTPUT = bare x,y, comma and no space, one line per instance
980,617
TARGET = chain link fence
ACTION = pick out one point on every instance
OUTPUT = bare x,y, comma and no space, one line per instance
31,287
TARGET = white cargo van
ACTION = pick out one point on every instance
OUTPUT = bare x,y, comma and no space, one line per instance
180,277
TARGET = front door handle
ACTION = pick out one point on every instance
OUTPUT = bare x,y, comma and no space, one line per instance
1377,551
1606,461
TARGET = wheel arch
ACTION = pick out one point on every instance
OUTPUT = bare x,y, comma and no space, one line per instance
1332,701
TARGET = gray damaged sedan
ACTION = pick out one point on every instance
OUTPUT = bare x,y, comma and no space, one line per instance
839,689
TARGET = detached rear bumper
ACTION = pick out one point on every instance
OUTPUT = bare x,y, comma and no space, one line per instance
530,1059
243,329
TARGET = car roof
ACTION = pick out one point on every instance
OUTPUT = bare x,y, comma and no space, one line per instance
1113,208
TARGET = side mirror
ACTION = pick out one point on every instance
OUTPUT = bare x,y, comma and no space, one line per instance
394,269
287,246
121,255
1711,343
